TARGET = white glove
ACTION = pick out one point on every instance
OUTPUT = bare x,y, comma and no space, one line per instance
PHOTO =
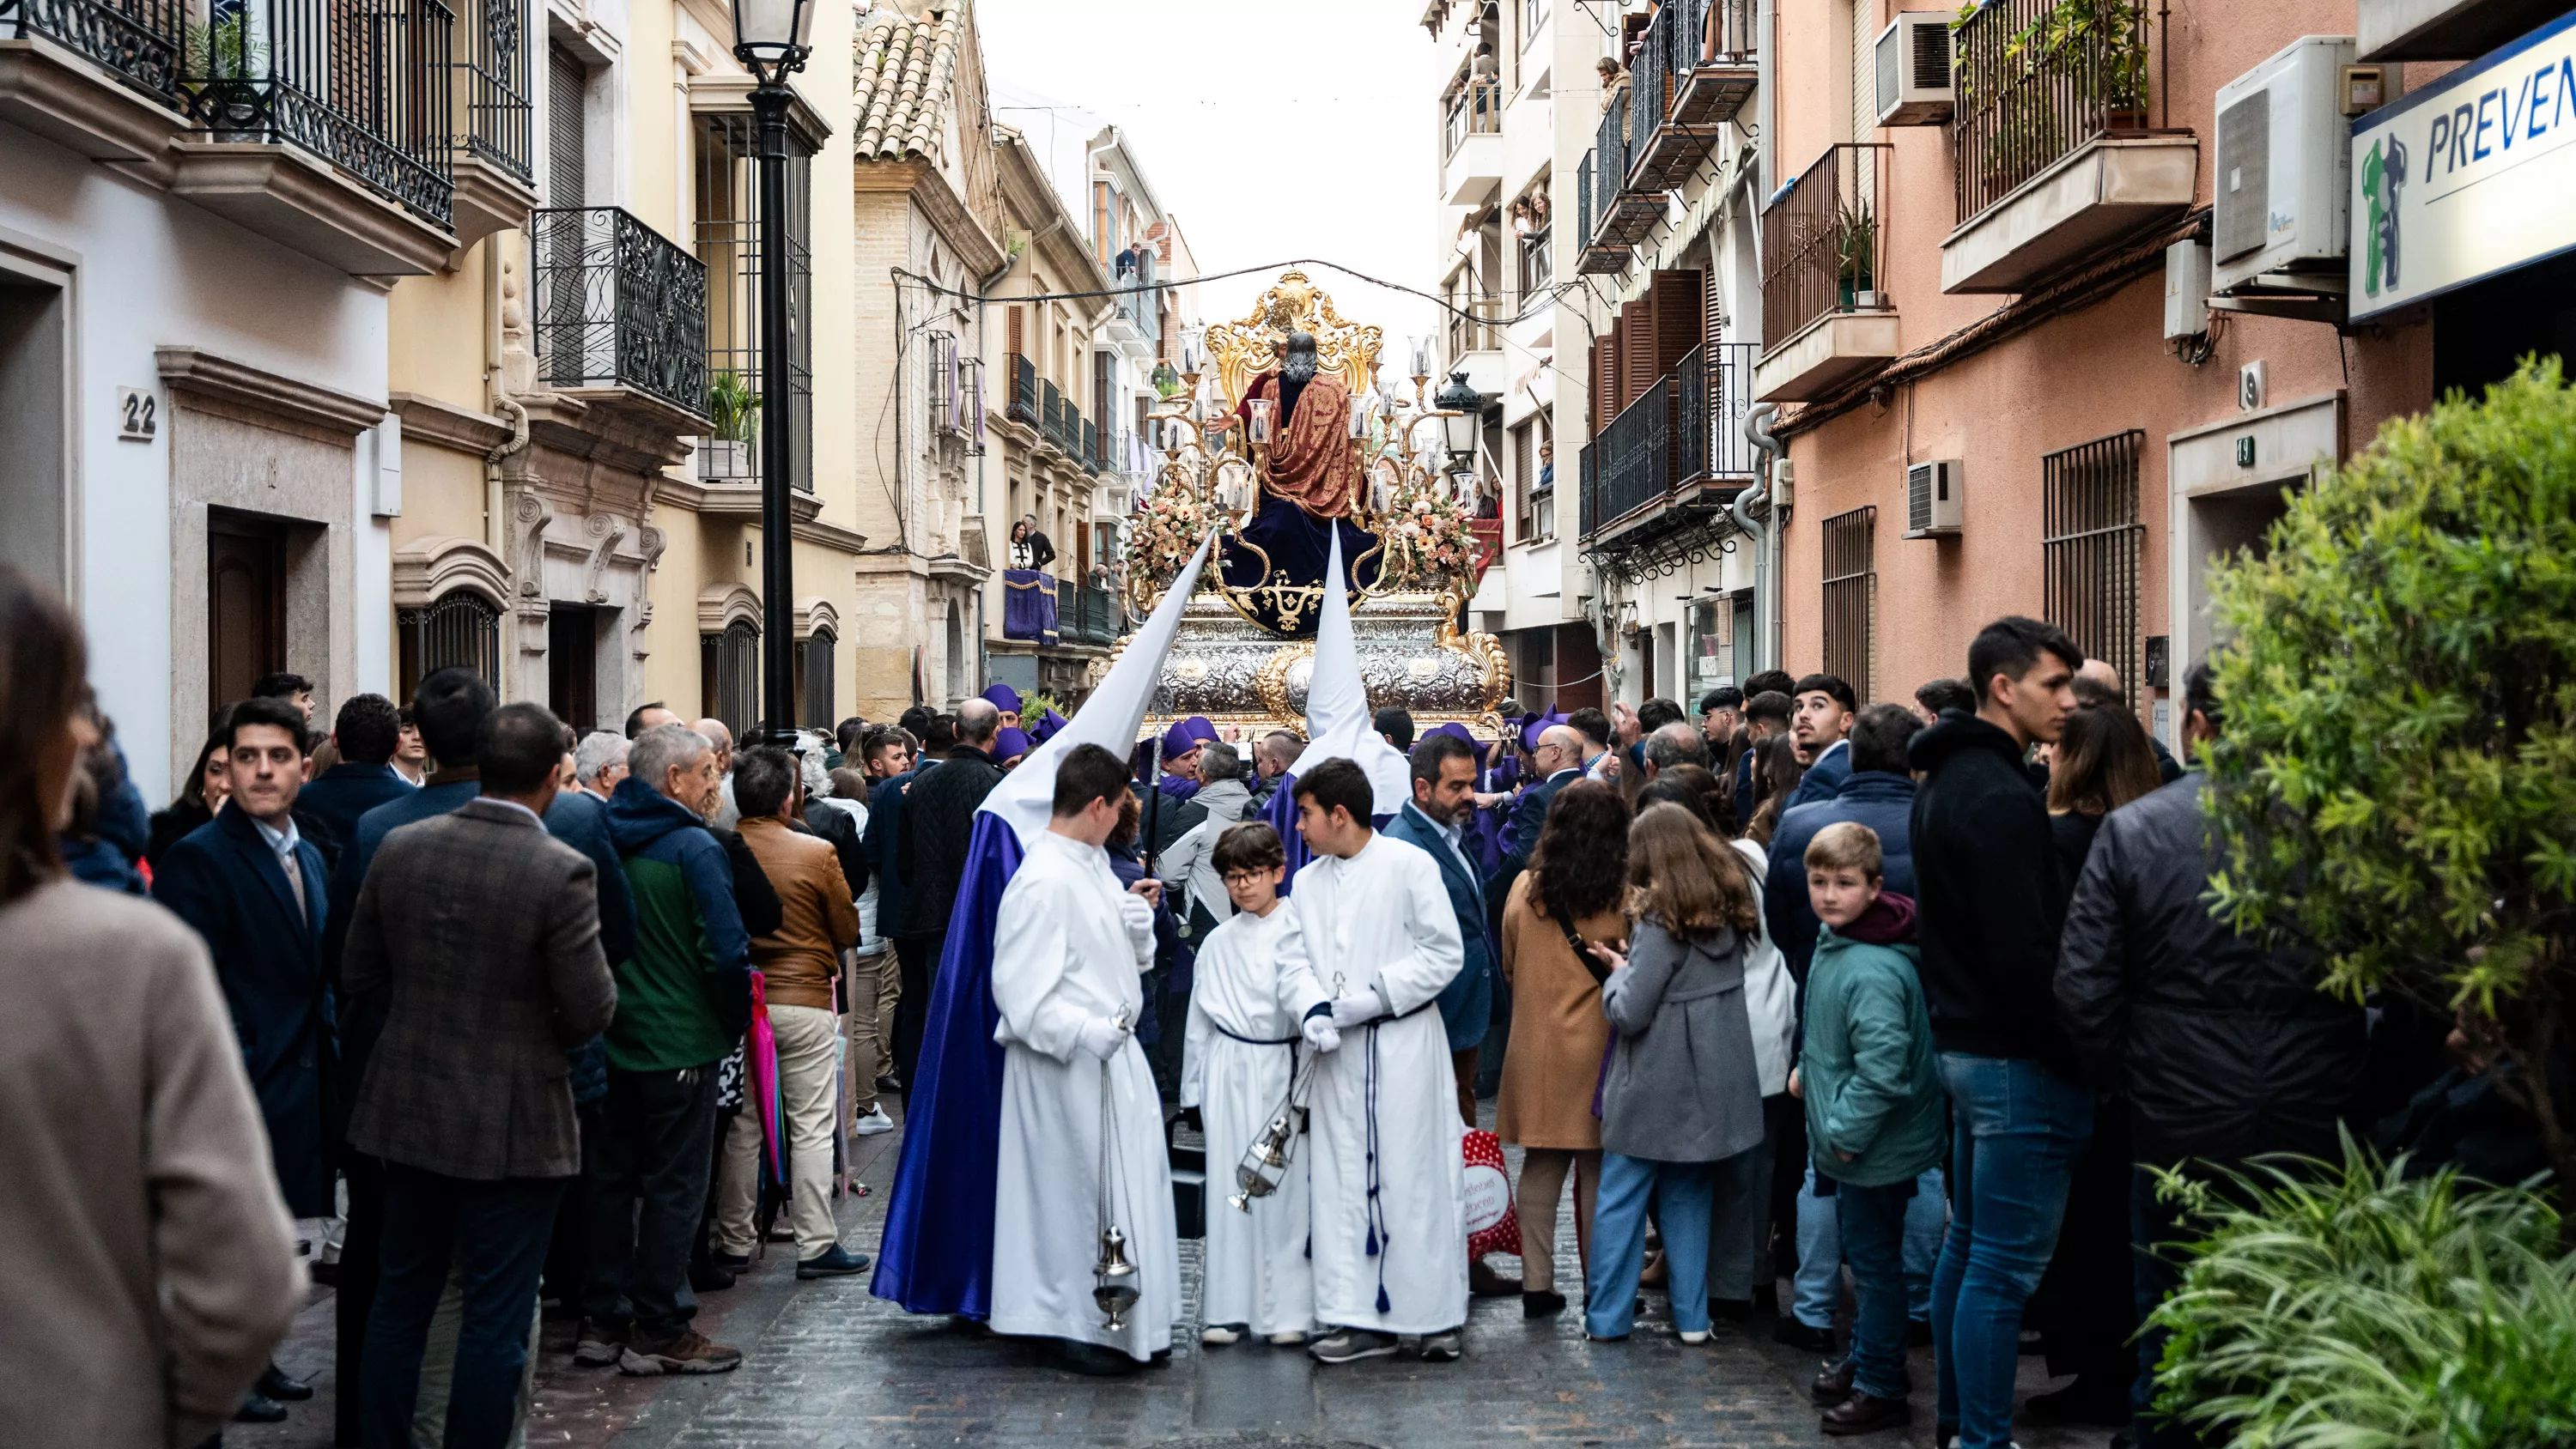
1321,1034
1102,1037
1354,1009
1137,915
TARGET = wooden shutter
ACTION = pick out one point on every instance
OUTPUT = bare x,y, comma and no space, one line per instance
1637,349
1018,331
1676,299
1605,380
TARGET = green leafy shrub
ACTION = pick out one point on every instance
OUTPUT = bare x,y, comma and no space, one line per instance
2395,780
2346,1306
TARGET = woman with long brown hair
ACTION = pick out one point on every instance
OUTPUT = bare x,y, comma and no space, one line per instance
1569,898
1776,773
141,1232
2102,762
1681,1103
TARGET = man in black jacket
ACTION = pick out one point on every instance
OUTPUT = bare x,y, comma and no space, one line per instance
1992,906
2223,1045
938,821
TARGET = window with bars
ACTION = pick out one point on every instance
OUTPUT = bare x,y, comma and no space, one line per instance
728,241
1851,599
729,676
814,696
458,630
2092,544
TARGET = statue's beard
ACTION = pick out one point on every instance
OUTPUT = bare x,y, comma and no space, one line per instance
1299,367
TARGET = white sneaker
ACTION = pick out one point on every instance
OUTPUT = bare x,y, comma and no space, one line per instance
1288,1338
1694,1336
1220,1334
872,1122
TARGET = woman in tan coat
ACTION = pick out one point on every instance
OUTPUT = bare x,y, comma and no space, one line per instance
1573,889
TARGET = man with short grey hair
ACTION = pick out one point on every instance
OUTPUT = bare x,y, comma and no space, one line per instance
1674,744
599,762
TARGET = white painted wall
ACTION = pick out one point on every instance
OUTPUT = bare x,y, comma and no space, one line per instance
151,271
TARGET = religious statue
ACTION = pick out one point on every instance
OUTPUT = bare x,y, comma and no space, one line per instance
1308,456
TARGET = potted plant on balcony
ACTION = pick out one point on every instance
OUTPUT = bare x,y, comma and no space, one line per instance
1856,256
226,66
726,452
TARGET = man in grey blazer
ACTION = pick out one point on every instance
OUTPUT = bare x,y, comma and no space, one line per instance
487,944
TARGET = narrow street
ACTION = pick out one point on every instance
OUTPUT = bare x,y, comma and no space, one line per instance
825,1364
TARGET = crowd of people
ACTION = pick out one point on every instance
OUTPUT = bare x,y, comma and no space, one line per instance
1870,1016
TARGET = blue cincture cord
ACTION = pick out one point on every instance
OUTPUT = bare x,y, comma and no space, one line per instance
1377,1233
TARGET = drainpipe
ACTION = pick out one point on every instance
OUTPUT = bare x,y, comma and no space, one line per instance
1766,534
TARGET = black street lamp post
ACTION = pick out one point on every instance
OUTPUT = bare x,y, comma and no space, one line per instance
770,41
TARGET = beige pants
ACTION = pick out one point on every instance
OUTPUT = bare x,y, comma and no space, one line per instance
1543,1171
872,988
809,1043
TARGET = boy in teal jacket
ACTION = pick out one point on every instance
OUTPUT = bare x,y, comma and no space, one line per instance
1875,1113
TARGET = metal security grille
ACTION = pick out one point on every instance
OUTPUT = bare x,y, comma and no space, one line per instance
2092,547
460,631
1851,599
728,241
814,692
729,676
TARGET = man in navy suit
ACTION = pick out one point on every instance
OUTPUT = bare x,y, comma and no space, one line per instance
368,730
1435,819
250,884
1557,759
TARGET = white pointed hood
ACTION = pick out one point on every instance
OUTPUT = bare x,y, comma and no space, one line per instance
1337,709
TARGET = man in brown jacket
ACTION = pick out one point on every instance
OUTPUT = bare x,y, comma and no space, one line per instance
797,963
484,929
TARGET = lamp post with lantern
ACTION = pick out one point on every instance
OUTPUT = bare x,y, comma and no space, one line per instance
770,39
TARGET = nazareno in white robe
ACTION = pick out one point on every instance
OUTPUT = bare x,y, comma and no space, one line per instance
1241,1047
1067,948
1382,921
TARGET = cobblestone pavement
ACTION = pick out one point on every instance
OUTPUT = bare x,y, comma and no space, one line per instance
827,1365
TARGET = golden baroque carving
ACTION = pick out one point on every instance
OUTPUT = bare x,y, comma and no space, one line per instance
1270,682
1238,352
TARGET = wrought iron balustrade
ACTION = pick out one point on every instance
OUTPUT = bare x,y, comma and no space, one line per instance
617,304
1588,509
363,85
1691,415
138,41
1050,413
1821,240
1583,200
1610,163
2037,80
1093,618
499,122
1023,404
1731,455
1090,446
1636,456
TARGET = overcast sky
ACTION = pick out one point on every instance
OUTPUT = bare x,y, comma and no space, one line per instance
1269,130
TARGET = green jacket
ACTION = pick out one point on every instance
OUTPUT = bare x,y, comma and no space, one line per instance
1866,1068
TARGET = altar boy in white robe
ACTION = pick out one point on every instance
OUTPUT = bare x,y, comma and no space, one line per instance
1068,945
1236,1062
1372,941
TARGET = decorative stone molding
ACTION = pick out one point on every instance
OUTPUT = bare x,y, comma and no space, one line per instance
815,613
529,515
722,605
427,419
649,541
428,569
287,196
193,369
68,99
606,532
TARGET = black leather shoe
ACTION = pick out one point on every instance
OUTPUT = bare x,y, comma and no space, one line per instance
1861,1414
1798,1335
1833,1385
1731,1310
274,1383
1484,1282
735,1263
708,1278
259,1408
1539,1303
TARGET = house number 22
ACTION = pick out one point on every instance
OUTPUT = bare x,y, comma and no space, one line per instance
138,414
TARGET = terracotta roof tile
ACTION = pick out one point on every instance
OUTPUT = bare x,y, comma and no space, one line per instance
905,68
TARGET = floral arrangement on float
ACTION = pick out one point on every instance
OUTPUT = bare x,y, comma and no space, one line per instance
1169,524
1427,532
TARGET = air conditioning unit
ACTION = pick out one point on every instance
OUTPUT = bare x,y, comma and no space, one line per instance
2186,289
1915,87
2284,207
1935,498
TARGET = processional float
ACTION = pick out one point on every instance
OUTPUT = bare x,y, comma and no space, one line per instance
1246,652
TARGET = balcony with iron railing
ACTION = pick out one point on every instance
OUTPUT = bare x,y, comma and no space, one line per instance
1825,318
1622,215
1092,617
1021,405
2051,151
363,87
1050,413
494,168
1090,446
140,43
620,313
1674,456
1693,71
